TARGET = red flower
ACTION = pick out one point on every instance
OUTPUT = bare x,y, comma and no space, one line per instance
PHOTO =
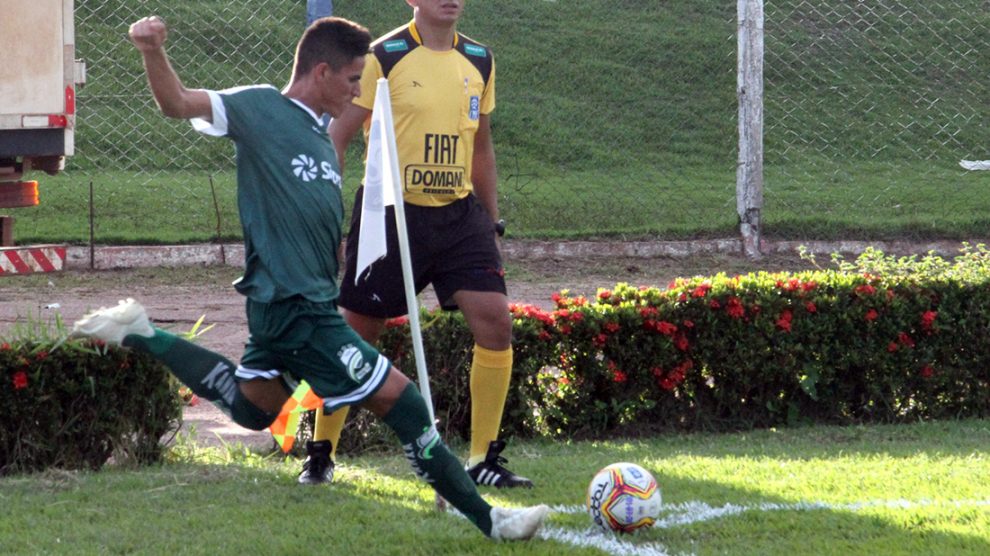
565,329
701,290
611,327
619,376
808,286
657,372
892,347
734,308
604,295
544,335
599,340
41,356
5,347
866,289
715,305
667,383
810,307
927,372
784,322
666,328
871,315
928,319
687,323
681,341
20,380
683,297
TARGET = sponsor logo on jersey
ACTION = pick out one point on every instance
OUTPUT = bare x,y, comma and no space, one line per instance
475,50
474,111
397,45
434,180
354,362
304,167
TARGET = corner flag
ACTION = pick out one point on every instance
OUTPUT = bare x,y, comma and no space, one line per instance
379,183
383,187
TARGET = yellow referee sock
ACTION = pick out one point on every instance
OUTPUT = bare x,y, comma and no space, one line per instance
329,427
490,374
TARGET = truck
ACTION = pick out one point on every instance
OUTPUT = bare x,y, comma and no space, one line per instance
39,76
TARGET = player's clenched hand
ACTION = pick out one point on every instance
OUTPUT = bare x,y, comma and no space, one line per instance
148,33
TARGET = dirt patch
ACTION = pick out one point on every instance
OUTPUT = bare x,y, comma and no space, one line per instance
176,297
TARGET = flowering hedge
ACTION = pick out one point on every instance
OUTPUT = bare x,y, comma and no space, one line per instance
881,339
74,404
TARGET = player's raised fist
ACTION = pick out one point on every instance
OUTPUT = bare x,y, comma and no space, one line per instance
148,33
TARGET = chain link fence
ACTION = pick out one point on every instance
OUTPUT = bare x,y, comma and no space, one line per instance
613,118
869,107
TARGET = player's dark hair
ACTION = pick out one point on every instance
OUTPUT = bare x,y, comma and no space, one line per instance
333,40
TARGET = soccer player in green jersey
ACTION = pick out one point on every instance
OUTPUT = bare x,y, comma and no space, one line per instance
442,89
289,197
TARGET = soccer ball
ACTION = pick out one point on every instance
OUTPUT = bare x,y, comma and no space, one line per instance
623,497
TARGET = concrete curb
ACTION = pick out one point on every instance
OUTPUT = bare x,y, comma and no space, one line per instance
139,256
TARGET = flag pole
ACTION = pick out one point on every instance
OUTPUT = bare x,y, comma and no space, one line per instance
400,226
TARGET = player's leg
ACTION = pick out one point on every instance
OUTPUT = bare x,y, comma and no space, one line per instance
344,370
321,452
399,403
208,374
487,315
470,277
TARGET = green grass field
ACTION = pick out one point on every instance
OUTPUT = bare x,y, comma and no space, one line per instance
617,122
910,489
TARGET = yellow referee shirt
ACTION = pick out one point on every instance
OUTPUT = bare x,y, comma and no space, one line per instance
437,99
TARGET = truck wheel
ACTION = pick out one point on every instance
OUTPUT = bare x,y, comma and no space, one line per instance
15,194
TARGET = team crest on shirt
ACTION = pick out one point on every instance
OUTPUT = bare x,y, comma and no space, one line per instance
474,111
357,367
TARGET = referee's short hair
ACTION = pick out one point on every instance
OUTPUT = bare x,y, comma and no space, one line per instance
333,40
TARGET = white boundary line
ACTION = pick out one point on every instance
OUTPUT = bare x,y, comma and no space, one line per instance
695,511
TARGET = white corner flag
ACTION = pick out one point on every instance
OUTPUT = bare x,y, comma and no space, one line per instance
383,187
379,183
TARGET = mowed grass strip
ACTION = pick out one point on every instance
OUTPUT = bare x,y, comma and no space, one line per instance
905,489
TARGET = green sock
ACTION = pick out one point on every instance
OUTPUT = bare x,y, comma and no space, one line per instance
431,459
209,375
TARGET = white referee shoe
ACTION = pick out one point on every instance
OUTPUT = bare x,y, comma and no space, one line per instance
517,524
112,324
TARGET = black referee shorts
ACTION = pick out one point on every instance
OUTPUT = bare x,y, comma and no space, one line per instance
452,247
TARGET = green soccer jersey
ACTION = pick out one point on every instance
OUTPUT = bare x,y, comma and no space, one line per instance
288,193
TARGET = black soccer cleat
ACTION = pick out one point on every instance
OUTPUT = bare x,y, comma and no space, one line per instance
318,466
491,472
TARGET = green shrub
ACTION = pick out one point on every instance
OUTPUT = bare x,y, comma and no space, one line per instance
75,404
880,339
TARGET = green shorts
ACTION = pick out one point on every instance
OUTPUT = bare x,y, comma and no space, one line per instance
302,340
